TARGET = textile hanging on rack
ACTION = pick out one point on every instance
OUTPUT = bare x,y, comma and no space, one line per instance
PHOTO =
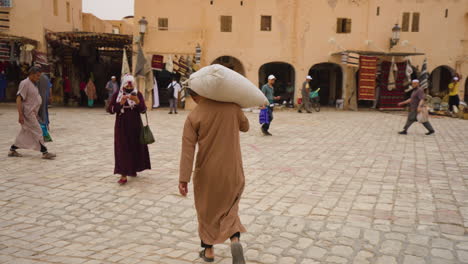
140,63
169,64
176,64
195,66
125,66
157,62
391,84
350,59
389,99
367,76
189,66
155,94
183,69
424,77
408,72
26,56
5,51
40,59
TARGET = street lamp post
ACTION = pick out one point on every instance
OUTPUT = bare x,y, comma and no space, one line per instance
396,30
143,27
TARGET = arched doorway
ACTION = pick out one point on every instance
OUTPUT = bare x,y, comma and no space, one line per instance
231,63
285,79
439,80
329,78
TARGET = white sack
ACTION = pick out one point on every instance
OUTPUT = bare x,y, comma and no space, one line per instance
219,83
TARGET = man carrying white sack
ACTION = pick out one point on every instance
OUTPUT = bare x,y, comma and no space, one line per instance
218,179
219,175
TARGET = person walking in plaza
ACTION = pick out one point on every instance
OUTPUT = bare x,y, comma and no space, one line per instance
131,156
112,87
305,96
416,97
173,91
268,91
28,101
218,176
91,92
454,99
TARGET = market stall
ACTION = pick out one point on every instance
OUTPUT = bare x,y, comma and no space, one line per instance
78,57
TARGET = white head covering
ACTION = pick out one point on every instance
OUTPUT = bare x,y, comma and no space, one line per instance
125,80
309,77
455,78
415,81
271,77
113,77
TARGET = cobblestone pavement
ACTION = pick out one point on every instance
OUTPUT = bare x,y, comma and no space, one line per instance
329,187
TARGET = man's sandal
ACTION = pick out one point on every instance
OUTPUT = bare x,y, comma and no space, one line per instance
14,153
204,257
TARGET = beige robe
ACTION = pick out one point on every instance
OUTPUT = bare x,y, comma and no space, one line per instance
30,136
219,175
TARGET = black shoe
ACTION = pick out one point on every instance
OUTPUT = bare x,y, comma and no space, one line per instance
309,112
268,134
204,257
403,132
176,113
430,133
265,133
299,111
170,113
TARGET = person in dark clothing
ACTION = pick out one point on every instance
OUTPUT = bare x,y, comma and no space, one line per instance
130,155
416,97
268,91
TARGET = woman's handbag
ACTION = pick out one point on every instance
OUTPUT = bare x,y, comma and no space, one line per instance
146,136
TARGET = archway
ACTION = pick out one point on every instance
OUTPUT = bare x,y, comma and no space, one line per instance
439,80
231,63
329,78
285,79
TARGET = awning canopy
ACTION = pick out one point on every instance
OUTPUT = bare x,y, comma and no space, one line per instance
379,53
24,40
98,40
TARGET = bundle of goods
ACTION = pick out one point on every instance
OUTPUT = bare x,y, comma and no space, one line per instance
219,83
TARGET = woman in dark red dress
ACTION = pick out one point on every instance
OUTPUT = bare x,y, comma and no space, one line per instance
130,155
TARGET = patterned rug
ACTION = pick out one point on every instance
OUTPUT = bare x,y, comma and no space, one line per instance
367,74
390,99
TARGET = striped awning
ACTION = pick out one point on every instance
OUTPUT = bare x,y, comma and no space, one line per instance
24,40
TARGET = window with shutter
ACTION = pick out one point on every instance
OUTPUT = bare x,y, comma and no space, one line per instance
163,24
265,23
343,25
226,23
415,25
348,26
405,22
